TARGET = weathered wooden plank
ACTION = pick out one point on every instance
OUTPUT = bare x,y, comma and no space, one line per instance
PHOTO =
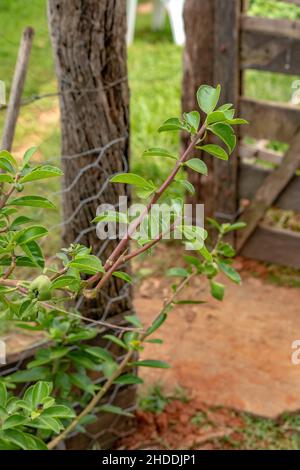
269,120
262,51
275,246
274,28
227,73
256,152
17,89
267,194
251,177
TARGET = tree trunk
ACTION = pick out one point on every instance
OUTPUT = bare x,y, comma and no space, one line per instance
89,42
198,70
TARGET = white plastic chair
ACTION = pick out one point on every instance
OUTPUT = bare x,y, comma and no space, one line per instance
174,8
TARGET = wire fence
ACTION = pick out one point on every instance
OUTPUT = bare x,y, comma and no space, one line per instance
36,104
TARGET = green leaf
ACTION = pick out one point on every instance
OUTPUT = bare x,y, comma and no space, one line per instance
122,275
215,116
237,121
41,172
34,252
8,162
3,394
83,382
70,282
131,178
115,410
225,133
59,411
193,119
89,264
235,226
215,150
187,185
116,340
151,363
38,373
177,272
197,165
158,152
172,124
32,201
134,320
208,97
128,379
230,272
111,216
109,367
13,421
47,422
205,253
6,178
16,437
214,224
37,393
98,352
31,233
217,290
21,220
157,323
28,154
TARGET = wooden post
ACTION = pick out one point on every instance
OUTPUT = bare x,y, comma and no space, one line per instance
17,89
198,70
227,73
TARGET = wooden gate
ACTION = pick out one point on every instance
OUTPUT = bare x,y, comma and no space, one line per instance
243,42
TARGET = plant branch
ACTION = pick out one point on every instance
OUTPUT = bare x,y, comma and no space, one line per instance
122,366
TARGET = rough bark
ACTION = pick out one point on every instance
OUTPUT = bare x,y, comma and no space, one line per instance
198,69
88,38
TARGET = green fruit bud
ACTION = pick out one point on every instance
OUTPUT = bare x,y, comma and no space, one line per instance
41,287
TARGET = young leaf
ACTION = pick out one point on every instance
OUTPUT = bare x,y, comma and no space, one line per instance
193,119
172,124
215,150
116,340
122,275
111,216
225,133
128,379
208,97
151,363
217,290
31,233
134,320
6,178
131,178
215,116
89,264
32,201
14,420
157,323
187,185
41,172
28,154
3,394
114,409
177,272
230,272
158,152
235,226
197,165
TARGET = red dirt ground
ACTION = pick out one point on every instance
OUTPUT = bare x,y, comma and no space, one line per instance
235,353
